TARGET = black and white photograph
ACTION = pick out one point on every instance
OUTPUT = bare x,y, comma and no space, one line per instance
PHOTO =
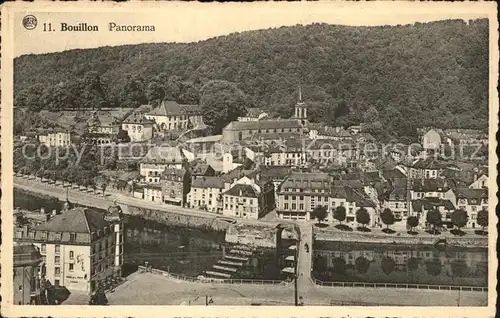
274,154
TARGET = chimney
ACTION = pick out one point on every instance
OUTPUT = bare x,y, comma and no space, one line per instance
241,193
42,210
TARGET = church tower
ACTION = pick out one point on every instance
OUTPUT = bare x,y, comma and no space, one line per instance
300,108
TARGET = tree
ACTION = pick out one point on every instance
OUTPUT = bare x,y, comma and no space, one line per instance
339,213
133,92
387,217
459,268
412,222
123,136
221,103
413,264
433,267
362,264
320,213
482,218
362,216
387,265
434,218
98,297
459,218
339,265
320,263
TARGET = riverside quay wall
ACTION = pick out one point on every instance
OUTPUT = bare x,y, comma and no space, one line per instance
419,239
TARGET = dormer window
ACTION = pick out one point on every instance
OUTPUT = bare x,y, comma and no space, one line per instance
57,236
72,237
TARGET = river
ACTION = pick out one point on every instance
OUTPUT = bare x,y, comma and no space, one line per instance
404,264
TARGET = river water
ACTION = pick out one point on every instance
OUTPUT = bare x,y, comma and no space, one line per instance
404,264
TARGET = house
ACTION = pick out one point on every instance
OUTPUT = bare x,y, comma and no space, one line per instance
479,183
203,169
157,159
138,127
206,193
80,247
472,201
276,174
153,192
253,114
176,184
250,197
56,137
170,115
102,130
431,140
343,194
28,275
432,188
240,130
300,193
290,152
355,129
421,207
428,168
319,131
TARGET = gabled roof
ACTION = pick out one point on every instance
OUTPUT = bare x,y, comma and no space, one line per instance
172,108
77,220
430,203
429,163
137,118
168,173
243,190
468,193
275,172
430,185
343,191
202,169
166,155
393,174
207,182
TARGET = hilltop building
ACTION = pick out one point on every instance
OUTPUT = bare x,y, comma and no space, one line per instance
170,115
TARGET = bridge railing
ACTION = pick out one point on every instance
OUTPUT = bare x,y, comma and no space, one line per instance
212,280
398,285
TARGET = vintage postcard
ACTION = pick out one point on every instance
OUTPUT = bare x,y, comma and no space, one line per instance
249,159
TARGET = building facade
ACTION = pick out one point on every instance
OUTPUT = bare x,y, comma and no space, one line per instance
29,275
170,115
138,127
206,193
176,184
55,138
80,248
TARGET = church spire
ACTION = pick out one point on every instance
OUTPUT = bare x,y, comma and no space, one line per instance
300,93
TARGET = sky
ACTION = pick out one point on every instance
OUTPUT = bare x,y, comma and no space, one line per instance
190,22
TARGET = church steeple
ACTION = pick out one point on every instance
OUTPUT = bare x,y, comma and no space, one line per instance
300,107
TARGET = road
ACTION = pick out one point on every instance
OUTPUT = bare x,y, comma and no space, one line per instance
304,260
99,201
152,289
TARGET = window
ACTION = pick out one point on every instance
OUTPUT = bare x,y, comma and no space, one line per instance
58,236
57,260
294,206
71,254
71,267
301,206
286,197
57,271
301,197
58,249
43,248
72,237
286,206
56,282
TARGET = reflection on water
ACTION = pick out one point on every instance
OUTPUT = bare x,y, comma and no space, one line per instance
422,264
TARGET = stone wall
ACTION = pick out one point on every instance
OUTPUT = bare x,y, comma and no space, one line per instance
176,219
258,236
468,241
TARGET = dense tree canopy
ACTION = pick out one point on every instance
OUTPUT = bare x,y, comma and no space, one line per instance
395,77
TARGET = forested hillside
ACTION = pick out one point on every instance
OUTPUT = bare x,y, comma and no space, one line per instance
393,77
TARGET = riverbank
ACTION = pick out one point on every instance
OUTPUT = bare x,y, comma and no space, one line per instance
422,238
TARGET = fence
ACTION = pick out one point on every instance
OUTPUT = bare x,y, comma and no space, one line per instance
212,280
395,285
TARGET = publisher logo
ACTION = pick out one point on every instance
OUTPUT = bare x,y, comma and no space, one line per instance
29,22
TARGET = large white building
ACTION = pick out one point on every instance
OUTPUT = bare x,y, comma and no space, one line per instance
55,138
80,247
138,127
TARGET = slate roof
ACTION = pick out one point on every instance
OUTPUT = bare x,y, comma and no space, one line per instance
264,124
429,163
77,220
207,182
275,172
172,108
342,191
430,203
306,181
253,112
137,118
173,174
393,174
202,169
430,185
472,195
243,190
167,155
